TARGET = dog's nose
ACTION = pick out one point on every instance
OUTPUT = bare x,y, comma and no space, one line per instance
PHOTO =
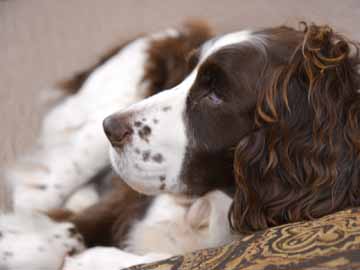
117,130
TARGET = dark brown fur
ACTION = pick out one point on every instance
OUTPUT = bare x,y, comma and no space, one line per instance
285,130
168,64
303,160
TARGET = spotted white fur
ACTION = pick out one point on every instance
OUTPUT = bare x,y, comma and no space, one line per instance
34,242
172,226
163,115
72,146
166,139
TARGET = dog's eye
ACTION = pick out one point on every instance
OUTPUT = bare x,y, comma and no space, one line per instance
214,98
213,95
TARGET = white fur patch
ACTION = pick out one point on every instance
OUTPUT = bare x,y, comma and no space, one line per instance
101,258
34,242
83,198
214,45
182,227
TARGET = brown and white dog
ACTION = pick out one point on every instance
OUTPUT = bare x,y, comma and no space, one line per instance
271,115
73,150
275,112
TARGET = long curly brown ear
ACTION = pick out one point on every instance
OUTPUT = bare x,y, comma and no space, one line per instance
303,161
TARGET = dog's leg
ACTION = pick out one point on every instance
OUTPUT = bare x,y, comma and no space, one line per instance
107,222
109,258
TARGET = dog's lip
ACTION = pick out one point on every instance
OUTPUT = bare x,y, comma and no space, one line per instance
156,170
140,167
121,144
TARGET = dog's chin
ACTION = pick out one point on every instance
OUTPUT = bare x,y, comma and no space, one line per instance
150,191
144,180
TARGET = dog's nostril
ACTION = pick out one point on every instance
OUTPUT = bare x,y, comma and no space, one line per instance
116,129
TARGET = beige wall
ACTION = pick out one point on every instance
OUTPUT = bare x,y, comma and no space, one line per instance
44,40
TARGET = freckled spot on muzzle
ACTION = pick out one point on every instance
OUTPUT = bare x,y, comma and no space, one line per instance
38,186
166,108
158,158
146,155
144,133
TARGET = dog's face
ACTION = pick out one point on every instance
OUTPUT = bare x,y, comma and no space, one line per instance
181,139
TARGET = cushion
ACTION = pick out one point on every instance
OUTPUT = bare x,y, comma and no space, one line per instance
331,242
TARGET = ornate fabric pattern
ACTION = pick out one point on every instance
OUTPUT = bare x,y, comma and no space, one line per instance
331,242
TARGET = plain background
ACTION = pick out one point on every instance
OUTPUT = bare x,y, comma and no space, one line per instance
43,41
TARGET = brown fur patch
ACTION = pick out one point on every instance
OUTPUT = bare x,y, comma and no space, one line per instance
60,214
168,65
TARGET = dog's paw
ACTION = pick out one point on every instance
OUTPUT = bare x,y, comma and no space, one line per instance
65,237
33,242
99,258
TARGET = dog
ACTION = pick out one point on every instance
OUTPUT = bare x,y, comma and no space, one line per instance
273,113
271,116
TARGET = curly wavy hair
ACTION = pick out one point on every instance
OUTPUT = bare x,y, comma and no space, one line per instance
303,160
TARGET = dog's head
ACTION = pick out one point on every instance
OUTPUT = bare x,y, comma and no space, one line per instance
274,112
175,141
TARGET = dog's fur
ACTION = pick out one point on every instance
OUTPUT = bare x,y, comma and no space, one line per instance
72,148
281,105
271,116
48,176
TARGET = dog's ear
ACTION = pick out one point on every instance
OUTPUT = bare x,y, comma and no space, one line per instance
167,65
303,161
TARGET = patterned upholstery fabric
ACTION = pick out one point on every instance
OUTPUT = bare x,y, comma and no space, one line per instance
332,242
